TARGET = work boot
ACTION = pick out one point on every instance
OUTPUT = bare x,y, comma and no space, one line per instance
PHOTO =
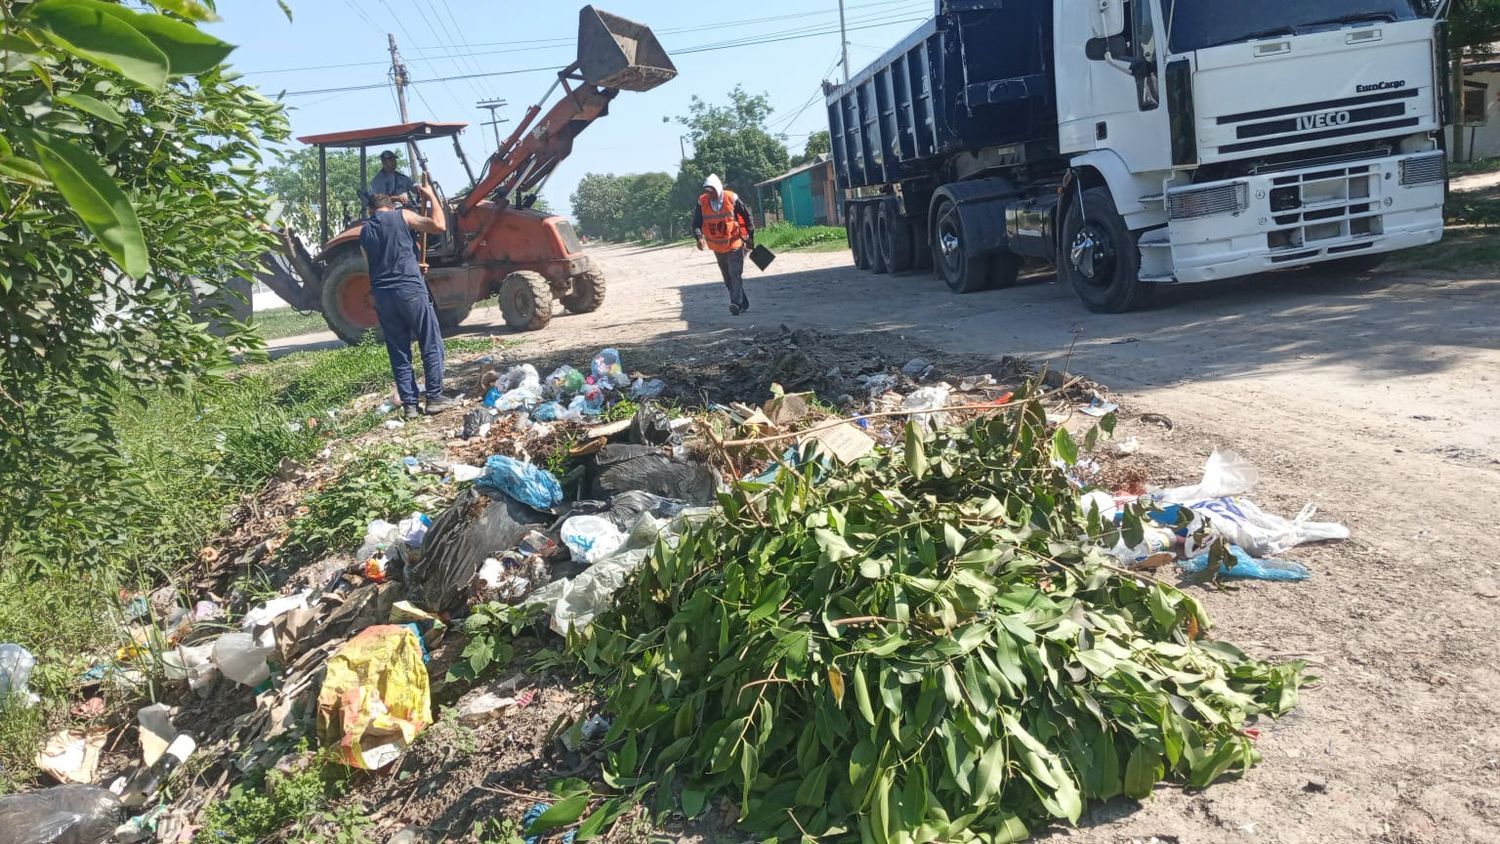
734,309
439,403
411,412
745,305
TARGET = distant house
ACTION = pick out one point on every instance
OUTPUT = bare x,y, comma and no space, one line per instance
1479,114
803,196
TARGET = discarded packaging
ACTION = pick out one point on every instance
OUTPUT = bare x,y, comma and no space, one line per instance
564,381
242,658
1099,407
482,705
156,731
147,781
16,664
927,399
73,755
916,368
1263,534
67,814
1225,474
846,442
375,699
413,529
608,372
591,538
616,469
274,609
528,484
1247,566
463,473
643,389
477,523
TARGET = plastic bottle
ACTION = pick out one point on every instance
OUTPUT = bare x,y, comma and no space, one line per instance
16,664
146,782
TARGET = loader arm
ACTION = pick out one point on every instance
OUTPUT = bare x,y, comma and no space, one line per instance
535,148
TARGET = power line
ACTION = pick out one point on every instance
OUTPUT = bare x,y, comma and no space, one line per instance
462,39
449,50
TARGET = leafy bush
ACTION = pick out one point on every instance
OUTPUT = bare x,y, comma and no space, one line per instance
253,811
917,647
370,487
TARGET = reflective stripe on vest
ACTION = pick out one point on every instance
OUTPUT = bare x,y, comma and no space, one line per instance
721,228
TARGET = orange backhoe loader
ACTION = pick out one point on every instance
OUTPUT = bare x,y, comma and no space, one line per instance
495,243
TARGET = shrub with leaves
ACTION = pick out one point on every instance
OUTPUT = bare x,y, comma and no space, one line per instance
371,487
926,646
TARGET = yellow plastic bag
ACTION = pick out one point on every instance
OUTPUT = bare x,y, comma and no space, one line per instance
375,698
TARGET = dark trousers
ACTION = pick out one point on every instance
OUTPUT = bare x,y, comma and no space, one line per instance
406,315
732,267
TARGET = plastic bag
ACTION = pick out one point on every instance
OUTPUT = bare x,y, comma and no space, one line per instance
274,609
1225,474
518,378
589,402
616,469
242,658
16,664
459,542
375,699
643,389
533,486
591,538
564,381
413,530
380,535
1249,567
625,509
1263,534
608,372
928,399
66,814
651,426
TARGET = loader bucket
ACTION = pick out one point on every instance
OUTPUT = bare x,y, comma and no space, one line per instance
617,53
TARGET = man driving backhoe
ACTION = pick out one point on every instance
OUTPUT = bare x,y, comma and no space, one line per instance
389,180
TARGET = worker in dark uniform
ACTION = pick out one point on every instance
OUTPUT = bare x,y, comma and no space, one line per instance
401,299
721,222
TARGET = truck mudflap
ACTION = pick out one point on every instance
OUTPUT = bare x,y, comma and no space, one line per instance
1298,217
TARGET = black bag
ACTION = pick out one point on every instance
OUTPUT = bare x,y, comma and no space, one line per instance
480,523
64,814
617,469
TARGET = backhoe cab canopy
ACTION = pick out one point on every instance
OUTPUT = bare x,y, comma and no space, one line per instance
379,136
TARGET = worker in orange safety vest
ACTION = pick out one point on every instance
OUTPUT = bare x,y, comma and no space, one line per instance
721,222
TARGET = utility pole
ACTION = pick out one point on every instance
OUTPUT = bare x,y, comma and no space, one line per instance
491,105
843,41
400,79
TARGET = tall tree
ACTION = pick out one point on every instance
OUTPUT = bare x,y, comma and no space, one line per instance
818,143
599,205
649,212
732,141
129,157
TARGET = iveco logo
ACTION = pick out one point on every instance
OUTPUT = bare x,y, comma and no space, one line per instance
1393,85
1323,120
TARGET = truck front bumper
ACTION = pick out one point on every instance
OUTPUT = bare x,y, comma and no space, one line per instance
1293,218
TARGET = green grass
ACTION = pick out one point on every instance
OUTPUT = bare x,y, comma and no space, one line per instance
1462,250
1469,168
185,459
277,323
782,237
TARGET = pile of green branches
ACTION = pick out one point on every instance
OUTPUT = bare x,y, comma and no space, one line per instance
928,645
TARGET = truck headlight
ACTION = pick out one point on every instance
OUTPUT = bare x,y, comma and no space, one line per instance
1193,203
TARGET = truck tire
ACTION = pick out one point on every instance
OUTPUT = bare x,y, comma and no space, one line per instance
962,272
895,238
526,301
587,294
853,222
347,304
870,214
449,319
1100,257
1355,265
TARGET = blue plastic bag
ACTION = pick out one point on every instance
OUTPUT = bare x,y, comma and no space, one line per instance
528,484
1247,566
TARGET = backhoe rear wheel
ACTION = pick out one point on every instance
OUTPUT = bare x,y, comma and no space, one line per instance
348,305
587,294
526,300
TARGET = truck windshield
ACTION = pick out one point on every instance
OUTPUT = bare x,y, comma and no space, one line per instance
1195,24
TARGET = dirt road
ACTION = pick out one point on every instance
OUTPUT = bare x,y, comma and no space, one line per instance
1374,398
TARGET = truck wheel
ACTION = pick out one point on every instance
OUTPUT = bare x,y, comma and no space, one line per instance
1357,265
853,221
348,306
871,234
895,238
1100,257
450,319
526,301
587,294
962,272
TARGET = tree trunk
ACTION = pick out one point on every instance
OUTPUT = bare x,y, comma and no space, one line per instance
1458,105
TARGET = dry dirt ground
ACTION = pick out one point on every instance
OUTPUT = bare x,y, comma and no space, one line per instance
1373,397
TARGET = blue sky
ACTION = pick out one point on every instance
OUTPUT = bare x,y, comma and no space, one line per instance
332,44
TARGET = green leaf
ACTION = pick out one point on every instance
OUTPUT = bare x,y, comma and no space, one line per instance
916,452
188,49
1141,772
693,801
862,693
562,813
18,169
1063,446
989,774
93,32
601,818
97,200
97,108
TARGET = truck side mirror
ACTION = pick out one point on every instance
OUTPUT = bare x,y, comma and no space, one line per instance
1107,18
1095,49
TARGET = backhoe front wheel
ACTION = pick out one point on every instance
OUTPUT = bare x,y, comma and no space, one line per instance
348,305
526,301
587,293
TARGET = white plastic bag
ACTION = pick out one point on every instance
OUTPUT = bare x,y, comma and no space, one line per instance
413,530
1225,474
591,538
1262,534
242,658
272,610
927,399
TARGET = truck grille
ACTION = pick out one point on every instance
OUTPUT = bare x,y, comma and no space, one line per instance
1423,170
1206,202
1323,207
1320,121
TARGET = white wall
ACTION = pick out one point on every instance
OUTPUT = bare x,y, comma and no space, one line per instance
1483,141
